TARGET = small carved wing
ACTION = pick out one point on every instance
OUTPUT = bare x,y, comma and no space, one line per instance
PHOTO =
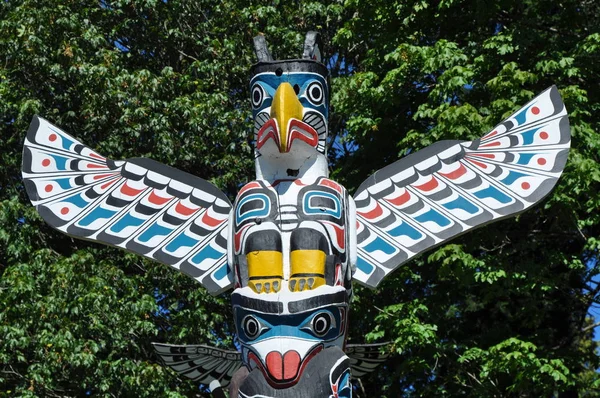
365,358
200,363
450,187
138,204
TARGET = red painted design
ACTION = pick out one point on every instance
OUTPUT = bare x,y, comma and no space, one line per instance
268,131
453,175
107,184
428,186
52,137
476,163
46,162
127,190
49,188
535,110
237,237
376,212
95,166
298,130
100,176
541,161
157,200
284,367
484,155
493,133
94,155
525,185
64,210
326,182
495,143
182,209
400,200
211,222
544,135
340,236
250,185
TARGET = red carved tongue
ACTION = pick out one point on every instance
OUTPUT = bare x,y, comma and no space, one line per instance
283,368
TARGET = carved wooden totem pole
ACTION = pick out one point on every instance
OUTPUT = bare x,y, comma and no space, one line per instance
294,240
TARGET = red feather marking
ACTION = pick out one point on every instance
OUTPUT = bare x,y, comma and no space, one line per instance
495,143
127,190
97,156
453,175
96,166
428,186
400,200
376,212
482,165
157,200
182,209
210,221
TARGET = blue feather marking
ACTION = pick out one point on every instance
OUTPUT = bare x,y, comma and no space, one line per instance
127,221
221,272
380,244
65,142
97,213
154,230
528,136
77,200
61,161
207,252
512,177
463,204
182,240
405,229
522,116
433,216
525,158
64,183
494,193
364,266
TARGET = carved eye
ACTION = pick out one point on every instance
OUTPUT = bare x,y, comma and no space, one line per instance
251,327
258,96
321,323
314,93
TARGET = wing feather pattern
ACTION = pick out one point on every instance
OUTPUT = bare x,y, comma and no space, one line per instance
200,363
138,204
451,187
365,358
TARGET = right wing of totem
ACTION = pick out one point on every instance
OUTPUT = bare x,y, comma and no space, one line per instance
451,187
138,204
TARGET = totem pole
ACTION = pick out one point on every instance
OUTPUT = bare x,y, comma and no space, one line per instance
294,240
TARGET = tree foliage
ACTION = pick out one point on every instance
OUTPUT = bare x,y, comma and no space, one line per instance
501,312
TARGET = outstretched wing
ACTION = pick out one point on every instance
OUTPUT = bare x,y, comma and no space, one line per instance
365,358
200,363
137,204
451,187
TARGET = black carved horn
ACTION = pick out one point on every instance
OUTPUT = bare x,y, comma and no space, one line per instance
261,49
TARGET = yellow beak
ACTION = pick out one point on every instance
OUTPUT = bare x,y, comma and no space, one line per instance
285,106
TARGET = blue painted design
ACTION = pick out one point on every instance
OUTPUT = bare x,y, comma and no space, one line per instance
66,143
260,212
380,244
154,230
207,252
126,221
494,193
96,214
64,183
182,240
528,136
308,209
77,200
525,158
364,266
405,229
221,272
521,117
61,161
512,177
463,204
434,216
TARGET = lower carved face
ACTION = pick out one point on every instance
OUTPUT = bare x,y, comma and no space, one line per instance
281,342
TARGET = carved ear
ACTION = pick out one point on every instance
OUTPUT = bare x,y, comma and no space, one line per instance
312,46
261,50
